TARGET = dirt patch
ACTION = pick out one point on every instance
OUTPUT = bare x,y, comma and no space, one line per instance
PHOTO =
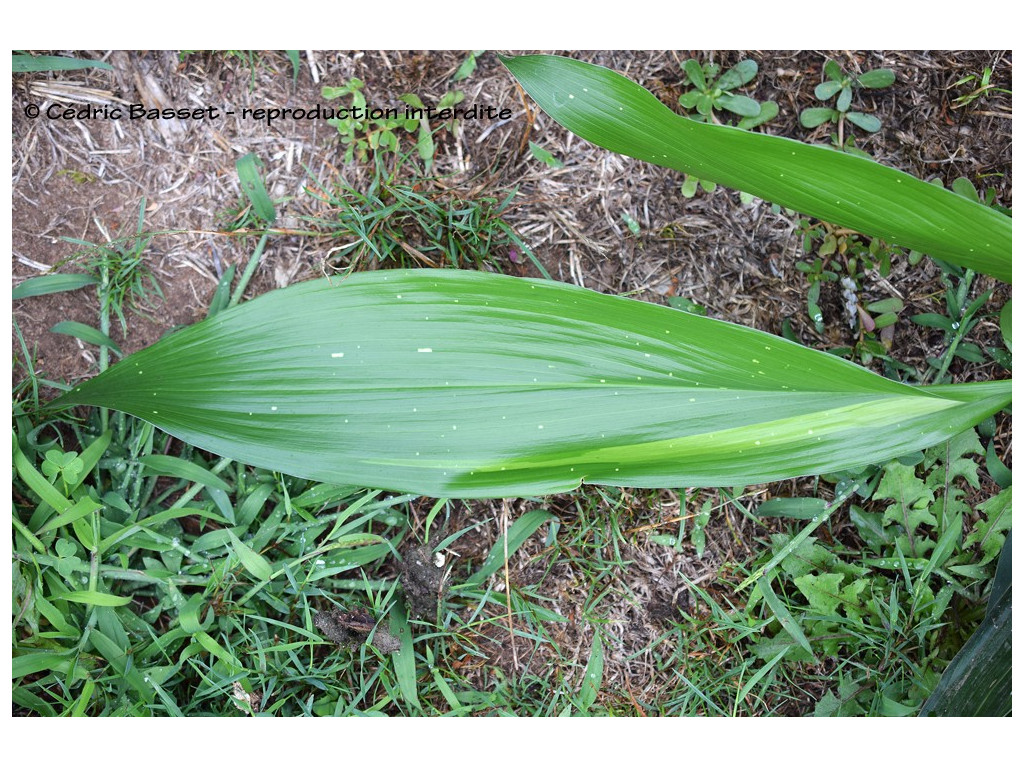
351,628
423,581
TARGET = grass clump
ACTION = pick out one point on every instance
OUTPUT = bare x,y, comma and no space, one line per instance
407,222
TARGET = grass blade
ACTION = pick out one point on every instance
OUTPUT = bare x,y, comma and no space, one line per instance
27,63
522,529
91,597
783,616
797,539
251,560
252,184
172,466
39,484
45,284
592,675
81,508
86,333
405,659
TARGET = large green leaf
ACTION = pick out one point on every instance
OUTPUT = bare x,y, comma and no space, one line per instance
468,384
613,112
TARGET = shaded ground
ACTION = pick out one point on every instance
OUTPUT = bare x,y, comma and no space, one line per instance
85,179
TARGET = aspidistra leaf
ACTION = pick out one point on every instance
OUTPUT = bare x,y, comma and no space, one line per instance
613,112
466,384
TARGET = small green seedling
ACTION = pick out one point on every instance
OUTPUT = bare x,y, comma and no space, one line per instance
711,92
362,134
467,67
981,85
545,157
844,84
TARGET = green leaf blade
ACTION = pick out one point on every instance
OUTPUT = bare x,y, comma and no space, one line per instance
869,123
172,466
251,560
56,283
827,89
615,113
252,185
739,105
87,334
28,63
522,529
877,78
92,597
465,384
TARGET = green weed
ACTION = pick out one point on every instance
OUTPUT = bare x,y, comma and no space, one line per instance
842,85
366,128
886,611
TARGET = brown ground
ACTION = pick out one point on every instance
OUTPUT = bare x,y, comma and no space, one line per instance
85,179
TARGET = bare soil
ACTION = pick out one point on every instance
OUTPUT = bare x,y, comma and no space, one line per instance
85,179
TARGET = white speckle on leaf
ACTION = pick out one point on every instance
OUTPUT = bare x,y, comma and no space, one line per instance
337,354
424,349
